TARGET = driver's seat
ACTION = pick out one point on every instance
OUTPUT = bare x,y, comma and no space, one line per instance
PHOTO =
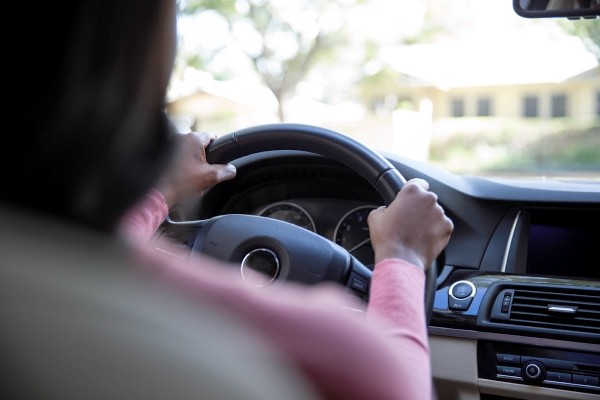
78,321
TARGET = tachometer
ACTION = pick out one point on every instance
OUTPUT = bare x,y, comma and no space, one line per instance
352,233
289,212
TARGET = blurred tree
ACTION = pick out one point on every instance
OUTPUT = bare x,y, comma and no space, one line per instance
283,39
586,29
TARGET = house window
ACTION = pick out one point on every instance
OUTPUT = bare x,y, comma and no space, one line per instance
484,107
458,107
559,106
530,106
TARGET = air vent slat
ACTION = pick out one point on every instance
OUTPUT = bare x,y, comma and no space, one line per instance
544,310
561,325
591,301
583,321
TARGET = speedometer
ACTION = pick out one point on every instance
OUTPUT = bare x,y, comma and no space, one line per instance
352,233
289,212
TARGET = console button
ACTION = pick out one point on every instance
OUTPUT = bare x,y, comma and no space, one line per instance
510,359
505,303
586,380
459,304
460,295
558,377
508,371
462,290
359,284
534,371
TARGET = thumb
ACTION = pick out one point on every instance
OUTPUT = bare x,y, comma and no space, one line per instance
211,174
225,172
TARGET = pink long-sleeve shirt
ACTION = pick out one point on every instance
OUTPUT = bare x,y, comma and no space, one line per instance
381,353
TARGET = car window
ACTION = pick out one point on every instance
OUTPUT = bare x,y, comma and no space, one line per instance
469,86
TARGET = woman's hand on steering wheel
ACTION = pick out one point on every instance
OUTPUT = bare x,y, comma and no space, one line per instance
413,227
191,174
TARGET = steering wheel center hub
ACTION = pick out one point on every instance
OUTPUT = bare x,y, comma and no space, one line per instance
260,267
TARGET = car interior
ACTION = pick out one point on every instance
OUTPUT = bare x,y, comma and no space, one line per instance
513,301
515,310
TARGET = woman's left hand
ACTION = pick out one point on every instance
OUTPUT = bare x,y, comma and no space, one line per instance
191,174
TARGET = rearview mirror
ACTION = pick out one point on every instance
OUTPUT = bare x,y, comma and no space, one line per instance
572,9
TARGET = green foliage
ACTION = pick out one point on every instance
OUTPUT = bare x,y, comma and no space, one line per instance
588,30
191,7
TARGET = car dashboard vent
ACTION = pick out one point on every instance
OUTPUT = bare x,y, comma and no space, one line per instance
549,308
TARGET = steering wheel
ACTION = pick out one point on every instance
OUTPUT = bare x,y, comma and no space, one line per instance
281,250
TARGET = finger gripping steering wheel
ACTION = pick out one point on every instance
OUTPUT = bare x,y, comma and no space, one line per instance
283,250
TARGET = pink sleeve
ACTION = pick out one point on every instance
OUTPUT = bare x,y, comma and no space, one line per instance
344,354
144,218
397,298
397,301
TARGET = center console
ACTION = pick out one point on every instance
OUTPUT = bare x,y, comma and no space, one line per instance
540,366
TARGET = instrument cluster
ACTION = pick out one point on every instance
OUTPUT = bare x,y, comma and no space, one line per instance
343,222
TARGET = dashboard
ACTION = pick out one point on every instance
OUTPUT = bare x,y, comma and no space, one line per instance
516,313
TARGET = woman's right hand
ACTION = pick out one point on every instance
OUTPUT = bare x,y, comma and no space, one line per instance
413,227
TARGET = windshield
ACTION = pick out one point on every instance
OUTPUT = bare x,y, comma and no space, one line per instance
468,86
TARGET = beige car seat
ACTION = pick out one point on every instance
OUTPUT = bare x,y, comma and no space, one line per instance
77,321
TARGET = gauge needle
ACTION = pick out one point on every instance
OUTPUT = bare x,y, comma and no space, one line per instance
367,240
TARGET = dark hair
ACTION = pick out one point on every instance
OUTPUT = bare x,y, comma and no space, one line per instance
89,101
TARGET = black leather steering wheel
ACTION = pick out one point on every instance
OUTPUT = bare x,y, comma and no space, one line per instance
280,250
